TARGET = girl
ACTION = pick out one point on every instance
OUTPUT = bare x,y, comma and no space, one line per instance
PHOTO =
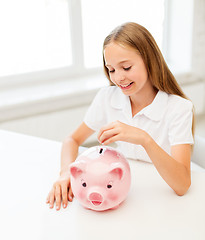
144,111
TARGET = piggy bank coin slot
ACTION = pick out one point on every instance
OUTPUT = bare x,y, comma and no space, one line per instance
101,150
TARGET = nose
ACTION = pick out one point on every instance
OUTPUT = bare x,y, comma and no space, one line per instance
119,76
95,198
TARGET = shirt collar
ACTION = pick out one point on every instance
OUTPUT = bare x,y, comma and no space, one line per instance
157,108
154,111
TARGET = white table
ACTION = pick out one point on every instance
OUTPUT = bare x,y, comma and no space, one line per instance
28,167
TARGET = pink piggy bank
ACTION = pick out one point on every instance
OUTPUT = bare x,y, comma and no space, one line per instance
100,178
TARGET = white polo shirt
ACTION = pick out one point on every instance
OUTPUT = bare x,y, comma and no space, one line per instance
168,119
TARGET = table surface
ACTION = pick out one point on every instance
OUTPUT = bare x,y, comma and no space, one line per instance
28,167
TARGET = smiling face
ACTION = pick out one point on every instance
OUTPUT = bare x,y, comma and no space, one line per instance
126,69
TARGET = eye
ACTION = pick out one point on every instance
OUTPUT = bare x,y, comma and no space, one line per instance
109,185
110,69
83,183
127,69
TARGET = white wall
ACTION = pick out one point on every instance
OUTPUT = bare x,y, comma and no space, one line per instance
198,54
54,125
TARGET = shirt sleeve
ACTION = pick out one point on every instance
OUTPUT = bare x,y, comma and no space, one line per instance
180,129
95,116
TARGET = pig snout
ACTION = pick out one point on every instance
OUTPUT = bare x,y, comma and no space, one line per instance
95,198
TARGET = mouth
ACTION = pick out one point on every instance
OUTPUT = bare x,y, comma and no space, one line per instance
125,87
96,203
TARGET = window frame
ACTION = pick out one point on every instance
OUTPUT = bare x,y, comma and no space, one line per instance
77,69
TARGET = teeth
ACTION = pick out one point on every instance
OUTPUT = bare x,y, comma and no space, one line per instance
125,85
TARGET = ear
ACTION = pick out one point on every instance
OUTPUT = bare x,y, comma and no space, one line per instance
76,169
117,169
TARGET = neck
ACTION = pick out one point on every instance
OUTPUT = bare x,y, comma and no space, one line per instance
142,99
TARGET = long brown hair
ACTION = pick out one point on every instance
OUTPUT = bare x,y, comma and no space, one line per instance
138,38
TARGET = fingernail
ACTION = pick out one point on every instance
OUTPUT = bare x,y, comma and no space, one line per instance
64,205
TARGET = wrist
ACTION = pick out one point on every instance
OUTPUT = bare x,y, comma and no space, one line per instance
146,140
64,172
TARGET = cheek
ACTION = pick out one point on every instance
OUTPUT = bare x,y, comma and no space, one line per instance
143,77
139,73
113,196
112,79
81,194
136,77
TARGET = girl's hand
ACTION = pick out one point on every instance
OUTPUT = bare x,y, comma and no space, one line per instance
61,191
118,131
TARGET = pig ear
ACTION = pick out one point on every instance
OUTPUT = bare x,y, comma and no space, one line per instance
76,169
117,170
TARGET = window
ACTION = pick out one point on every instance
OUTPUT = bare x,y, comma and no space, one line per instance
65,37
35,36
178,35
100,17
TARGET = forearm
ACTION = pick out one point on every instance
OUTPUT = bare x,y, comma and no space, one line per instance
69,153
174,169
71,145
176,175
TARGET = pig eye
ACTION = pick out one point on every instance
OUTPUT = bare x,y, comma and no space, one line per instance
83,183
109,185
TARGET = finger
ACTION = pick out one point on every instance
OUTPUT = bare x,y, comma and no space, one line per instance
108,134
48,198
64,195
58,197
70,194
51,199
105,128
111,140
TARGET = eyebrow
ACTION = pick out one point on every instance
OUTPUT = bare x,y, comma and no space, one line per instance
107,65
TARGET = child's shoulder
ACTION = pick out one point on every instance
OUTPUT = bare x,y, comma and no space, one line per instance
178,104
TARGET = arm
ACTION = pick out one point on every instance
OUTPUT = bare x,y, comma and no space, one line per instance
174,168
61,190
71,144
